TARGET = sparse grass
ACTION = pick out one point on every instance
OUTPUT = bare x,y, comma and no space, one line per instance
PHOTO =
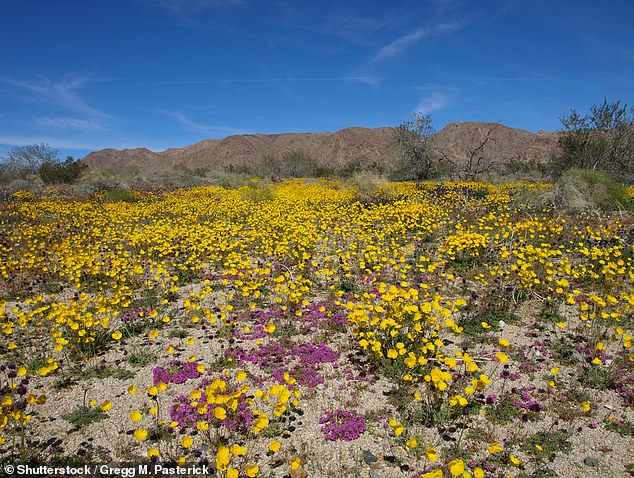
551,442
622,427
83,416
596,377
141,358
503,411
178,334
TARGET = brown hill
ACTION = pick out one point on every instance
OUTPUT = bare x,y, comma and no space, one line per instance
332,150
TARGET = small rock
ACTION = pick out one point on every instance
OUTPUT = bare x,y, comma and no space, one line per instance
590,461
374,474
368,457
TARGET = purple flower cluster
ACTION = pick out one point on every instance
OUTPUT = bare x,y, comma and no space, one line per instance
527,402
303,362
131,316
624,384
259,318
508,375
177,372
313,319
342,425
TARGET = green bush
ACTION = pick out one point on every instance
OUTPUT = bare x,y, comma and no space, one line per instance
120,194
413,143
580,189
68,172
601,140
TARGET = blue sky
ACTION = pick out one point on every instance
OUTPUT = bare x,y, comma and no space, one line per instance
84,75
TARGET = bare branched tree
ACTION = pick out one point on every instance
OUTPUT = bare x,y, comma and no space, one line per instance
479,160
23,161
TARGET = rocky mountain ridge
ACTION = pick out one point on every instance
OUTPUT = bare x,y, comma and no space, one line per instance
355,145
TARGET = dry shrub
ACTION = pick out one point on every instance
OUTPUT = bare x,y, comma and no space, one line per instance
586,189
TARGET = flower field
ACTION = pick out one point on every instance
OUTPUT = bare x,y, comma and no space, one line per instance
305,329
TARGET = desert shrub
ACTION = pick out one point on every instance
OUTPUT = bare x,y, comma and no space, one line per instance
602,140
368,186
294,164
18,185
68,172
521,168
579,189
258,192
25,161
120,194
413,143
231,181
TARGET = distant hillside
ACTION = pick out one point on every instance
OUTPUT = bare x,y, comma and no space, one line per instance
364,146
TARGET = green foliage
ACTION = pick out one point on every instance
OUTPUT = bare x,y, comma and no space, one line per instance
623,428
83,416
141,358
68,172
597,378
602,140
120,194
503,411
412,140
579,189
550,442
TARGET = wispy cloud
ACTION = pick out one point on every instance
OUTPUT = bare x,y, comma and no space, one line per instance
402,43
66,122
434,102
365,79
192,126
213,131
63,93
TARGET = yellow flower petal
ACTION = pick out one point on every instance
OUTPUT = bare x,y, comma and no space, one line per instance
187,441
456,467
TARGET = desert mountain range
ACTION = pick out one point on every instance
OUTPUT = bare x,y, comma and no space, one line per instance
333,150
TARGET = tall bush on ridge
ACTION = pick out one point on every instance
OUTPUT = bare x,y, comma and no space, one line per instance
413,141
601,140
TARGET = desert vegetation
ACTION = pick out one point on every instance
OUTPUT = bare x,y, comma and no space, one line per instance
312,328
350,326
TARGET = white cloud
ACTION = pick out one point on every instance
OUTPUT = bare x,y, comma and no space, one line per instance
366,79
199,128
434,102
63,93
90,125
402,43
